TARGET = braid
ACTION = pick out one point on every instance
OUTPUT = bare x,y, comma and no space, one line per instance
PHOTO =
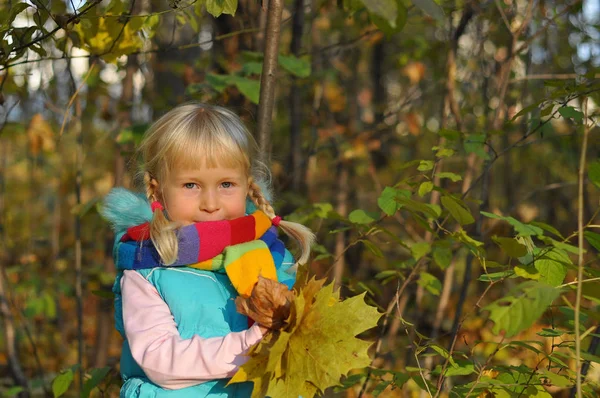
298,232
148,186
161,231
256,194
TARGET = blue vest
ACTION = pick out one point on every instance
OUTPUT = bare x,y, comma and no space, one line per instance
202,303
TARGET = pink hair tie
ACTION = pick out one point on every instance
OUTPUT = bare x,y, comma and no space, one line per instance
156,206
276,220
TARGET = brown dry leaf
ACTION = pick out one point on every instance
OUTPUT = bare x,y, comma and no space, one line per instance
269,303
335,96
40,135
415,71
414,124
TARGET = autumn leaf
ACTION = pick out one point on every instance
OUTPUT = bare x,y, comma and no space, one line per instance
316,347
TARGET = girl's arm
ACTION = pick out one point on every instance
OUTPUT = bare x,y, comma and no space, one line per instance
166,358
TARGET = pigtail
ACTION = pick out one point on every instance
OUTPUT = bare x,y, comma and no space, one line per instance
162,233
301,234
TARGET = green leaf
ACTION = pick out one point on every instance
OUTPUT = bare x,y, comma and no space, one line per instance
568,112
525,110
372,248
453,176
450,135
360,216
61,383
547,228
249,87
252,68
430,8
521,228
387,201
386,9
463,237
425,165
594,172
425,188
400,379
296,66
527,271
390,28
379,388
475,143
218,7
593,239
420,207
218,82
12,391
461,214
556,379
444,353
420,249
521,307
462,368
14,11
96,377
442,256
511,246
551,332
430,283
552,267
444,153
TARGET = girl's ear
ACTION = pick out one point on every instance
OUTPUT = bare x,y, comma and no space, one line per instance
155,190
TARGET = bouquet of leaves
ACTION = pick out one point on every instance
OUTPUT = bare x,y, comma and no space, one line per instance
313,341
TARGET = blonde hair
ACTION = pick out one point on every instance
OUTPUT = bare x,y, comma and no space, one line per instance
176,139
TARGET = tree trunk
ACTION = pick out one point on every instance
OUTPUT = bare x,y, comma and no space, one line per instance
296,162
268,79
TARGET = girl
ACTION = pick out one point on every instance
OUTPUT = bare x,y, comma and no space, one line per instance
202,235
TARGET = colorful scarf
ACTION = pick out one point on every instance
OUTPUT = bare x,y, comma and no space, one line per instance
243,248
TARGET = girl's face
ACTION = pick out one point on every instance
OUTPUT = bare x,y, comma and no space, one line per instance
205,194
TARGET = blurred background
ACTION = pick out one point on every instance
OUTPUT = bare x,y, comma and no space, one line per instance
485,102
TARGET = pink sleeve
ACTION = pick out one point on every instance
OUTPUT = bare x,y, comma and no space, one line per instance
166,358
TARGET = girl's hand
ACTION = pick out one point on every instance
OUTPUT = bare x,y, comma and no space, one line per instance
269,304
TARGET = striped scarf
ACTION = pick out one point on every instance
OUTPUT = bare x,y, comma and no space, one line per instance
243,248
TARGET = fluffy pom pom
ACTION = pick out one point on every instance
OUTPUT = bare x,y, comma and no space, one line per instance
123,209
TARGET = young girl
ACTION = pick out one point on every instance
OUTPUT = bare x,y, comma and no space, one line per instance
202,237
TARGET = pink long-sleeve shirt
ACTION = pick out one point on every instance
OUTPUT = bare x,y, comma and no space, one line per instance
167,359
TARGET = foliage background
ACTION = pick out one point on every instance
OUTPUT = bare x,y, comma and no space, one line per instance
401,131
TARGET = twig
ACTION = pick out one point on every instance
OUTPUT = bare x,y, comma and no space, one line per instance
72,18
442,378
127,18
550,76
504,18
75,94
582,165
487,362
544,28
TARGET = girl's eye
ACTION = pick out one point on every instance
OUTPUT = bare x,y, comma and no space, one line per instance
226,184
189,185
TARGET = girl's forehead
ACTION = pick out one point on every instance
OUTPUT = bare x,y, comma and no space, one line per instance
192,160
205,166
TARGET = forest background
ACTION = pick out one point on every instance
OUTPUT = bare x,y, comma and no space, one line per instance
446,154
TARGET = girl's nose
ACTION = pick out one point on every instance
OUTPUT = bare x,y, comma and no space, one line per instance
209,202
